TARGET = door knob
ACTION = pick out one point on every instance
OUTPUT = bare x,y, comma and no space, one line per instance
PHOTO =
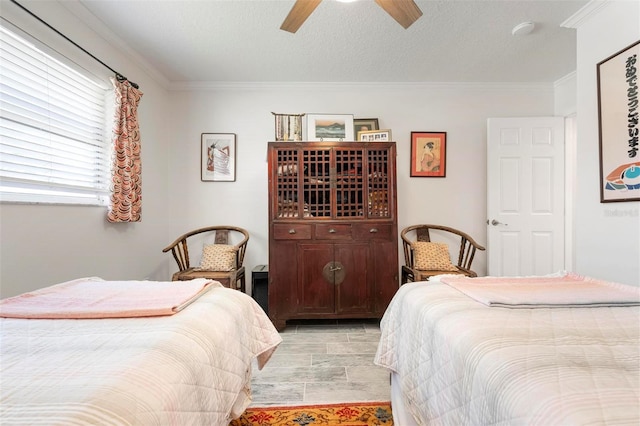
496,223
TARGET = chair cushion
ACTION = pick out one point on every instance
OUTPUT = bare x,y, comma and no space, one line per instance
428,256
218,257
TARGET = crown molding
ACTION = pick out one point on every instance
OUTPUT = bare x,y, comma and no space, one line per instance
577,19
567,78
342,86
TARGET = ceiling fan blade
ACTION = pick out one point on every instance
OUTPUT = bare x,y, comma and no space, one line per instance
298,14
406,12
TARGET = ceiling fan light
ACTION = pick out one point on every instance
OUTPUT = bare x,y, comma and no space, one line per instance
346,1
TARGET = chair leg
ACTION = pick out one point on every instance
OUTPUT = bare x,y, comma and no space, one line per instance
242,283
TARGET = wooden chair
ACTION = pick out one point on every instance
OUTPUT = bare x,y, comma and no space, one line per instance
443,234
228,235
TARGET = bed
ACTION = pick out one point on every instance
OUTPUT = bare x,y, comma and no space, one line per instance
126,358
561,349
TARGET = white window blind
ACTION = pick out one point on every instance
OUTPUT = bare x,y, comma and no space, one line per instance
53,146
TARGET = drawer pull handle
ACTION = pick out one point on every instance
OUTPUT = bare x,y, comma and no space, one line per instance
373,230
332,231
292,231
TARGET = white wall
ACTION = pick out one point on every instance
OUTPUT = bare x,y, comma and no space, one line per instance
565,106
461,110
607,235
565,95
42,245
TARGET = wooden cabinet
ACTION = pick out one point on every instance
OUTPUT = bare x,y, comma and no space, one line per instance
333,235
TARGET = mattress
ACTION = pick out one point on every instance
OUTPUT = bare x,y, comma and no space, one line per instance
461,362
190,368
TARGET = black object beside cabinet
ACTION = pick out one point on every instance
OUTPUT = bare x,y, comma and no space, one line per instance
259,286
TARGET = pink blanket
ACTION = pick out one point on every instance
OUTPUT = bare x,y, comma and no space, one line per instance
570,290
97,298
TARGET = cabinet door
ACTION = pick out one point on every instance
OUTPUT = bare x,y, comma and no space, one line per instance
354,292
316,293
335,278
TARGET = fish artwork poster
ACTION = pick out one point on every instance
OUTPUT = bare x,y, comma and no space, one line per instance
618,116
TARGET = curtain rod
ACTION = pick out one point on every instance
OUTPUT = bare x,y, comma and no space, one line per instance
119,76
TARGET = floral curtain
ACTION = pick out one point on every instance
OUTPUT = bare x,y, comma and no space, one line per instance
126,174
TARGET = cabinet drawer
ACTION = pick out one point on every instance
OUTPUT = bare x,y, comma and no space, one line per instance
368,231
284,231
327,231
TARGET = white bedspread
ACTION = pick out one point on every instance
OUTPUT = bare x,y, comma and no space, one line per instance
192,368
463,363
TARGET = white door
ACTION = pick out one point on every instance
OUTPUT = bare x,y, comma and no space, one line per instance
525,196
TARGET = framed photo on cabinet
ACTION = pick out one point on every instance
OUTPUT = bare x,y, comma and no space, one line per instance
375,135
364,125
218,157
330,127
428,154
618,113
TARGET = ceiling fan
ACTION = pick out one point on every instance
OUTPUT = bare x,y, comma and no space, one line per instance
405,12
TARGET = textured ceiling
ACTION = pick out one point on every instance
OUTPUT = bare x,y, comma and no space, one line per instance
241,41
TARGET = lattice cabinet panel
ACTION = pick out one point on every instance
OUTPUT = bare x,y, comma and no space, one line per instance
287,183
316,182
332,182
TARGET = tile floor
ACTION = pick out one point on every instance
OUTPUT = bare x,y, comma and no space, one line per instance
322,362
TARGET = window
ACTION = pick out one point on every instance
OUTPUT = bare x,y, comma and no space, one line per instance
53,142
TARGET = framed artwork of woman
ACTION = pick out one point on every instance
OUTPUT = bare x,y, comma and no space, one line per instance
428,154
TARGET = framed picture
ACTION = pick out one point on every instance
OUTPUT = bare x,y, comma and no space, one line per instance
218,157
618,114
364,125
374,135
329,127
428,154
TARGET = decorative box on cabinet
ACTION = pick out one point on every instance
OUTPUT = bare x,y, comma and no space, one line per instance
333,239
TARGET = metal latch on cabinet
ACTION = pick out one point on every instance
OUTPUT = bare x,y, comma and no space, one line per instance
334,273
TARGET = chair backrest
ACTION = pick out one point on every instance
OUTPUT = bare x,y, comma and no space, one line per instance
438,233
233,235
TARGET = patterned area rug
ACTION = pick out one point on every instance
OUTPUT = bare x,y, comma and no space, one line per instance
348,414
